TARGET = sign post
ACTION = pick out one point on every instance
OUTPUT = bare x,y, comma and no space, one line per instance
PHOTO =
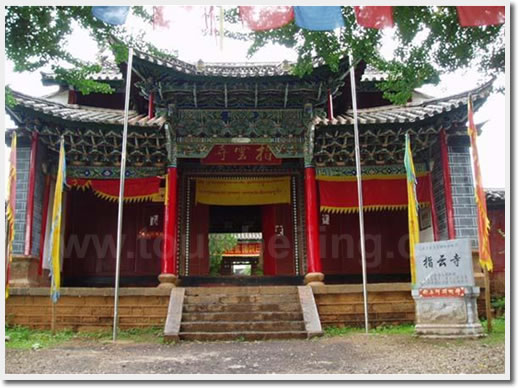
445,293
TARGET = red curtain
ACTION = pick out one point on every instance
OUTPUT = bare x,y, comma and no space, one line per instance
378,194
137,189
480,16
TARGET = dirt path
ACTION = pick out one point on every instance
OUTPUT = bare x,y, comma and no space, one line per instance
354,353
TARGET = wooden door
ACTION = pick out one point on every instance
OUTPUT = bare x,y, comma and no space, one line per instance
278,240
149,239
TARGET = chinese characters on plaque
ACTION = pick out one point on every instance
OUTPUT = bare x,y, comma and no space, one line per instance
250,154
444,265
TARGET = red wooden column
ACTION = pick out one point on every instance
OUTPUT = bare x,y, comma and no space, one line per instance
168,272
450,216
30,195
314,275
151,106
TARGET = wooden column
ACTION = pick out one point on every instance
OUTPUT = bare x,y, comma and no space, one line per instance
30,195
450,216
314,275
330,109
151,106
168,275
435,220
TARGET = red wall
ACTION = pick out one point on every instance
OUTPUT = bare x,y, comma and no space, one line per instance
496,240
386,243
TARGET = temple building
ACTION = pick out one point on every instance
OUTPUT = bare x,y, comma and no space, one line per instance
249,150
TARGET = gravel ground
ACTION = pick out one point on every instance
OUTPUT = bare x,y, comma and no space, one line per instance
353,353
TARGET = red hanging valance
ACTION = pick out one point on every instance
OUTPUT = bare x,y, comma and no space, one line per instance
389,192
136,189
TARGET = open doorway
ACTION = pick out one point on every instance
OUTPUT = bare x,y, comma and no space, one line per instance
235,240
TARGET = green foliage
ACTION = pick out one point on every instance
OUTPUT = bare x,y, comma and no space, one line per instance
498,304
219,244
24,338
9,98
429,40
497,335
78,78
406,329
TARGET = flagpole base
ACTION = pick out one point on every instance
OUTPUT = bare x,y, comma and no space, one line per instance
314,279
167,280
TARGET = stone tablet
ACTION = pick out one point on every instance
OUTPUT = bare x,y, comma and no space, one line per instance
444,264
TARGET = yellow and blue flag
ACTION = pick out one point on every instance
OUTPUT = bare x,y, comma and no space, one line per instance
11,208
55,231
413,205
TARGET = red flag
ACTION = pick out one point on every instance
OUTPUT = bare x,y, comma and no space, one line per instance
374,17
480,16
259,18
480,197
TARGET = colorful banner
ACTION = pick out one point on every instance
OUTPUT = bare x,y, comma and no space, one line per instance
319,18
55,229
413,206
374,17
243,191
380,192
11,208
480,197
260,18
241,155
138,189
475,16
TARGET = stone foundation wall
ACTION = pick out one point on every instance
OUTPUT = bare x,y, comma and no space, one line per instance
87,309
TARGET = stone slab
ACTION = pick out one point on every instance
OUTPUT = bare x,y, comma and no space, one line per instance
174,315
309,311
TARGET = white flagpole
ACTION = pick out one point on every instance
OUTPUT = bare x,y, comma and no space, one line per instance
121,194
360,196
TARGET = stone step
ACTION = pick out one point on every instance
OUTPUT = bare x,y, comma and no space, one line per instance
269,290
240,326
241,299
242,316
243,335
231,308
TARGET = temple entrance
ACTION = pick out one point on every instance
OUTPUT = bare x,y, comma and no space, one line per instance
243,240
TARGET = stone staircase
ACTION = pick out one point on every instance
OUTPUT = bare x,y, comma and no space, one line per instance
242,313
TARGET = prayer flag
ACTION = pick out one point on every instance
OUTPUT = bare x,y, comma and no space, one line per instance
319,18
111,15
260,18
413,221
374,17
475,16
55,231
480,197
11,208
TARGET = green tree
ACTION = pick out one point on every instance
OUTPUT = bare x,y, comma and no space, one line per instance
429,40
219,244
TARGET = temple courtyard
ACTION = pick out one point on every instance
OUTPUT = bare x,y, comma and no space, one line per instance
349,351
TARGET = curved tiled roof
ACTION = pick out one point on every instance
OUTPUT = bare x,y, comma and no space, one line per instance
495,195
78,113
410,112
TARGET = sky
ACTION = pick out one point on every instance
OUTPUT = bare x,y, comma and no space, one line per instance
191,23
